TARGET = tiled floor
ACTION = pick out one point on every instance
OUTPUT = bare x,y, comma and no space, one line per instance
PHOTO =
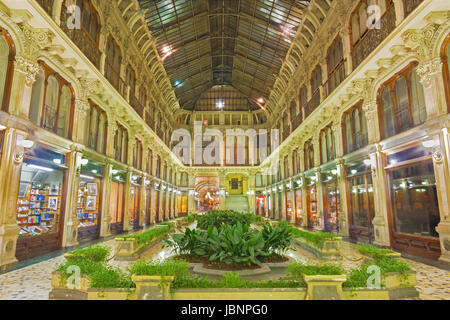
33,282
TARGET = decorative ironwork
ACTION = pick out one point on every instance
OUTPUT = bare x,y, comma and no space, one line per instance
374,37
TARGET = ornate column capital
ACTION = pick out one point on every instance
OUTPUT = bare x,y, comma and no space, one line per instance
27,67
427,70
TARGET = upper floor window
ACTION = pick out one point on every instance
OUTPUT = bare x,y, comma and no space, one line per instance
131,80
121,144
401,102
336,69
143,96
316,79
137,155
362,17
7,55
158,167
113,61
286,167
90,21
327,146
293,110
150,162
295,163
355,129
52,102
309,155
96,128
184,179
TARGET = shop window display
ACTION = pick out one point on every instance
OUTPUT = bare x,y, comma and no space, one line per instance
298,207
362,209
134,201
414,200
332,203
117,201
40,197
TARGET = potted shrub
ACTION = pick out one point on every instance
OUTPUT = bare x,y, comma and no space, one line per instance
153,278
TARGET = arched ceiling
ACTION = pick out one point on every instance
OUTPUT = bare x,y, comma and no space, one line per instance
206,43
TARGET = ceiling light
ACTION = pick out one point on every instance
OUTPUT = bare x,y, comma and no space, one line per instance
166,49
27,144
429,144
86,177
57,161
2,127
261,100
367,162
84,162
220,104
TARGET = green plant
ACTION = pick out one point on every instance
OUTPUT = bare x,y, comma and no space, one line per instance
95,253
169,267
218,218
278,238
192,217
191,242
317,238
168,224
299,269
109,277
147,236
232,280
372,251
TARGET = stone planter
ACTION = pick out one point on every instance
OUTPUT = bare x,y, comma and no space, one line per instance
153,287
61,290
225,294
331,249
401,286
324,287
128,249
111,294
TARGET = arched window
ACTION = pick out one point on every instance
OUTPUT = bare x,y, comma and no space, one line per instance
121,144
52,102
7,55
90,20
143,96
359,21
137,155
158,167
309,155
150,162
327,145
336,68
96,124
355,129
112,62
316,80
401,102
131,80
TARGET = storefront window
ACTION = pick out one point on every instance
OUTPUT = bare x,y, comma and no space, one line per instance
117,201
311,194
40,200
298,207
260,205
332,203
89,201
414,200
288,206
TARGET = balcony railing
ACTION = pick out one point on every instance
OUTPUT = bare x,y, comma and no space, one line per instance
335,78
374,37
83,41
411,5
149,120
313,103
47,5
297,121
286,133
137,105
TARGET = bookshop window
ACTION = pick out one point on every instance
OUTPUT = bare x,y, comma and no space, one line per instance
7,55
113,60
52,102
89,195
96,129
414,200
89,20
402,102
40,197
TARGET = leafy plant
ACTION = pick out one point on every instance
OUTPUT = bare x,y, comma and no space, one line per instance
232,244
147,236
298,269
169,267
192,217
232,280
218,218
317,238
109,277
95,253
373,251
